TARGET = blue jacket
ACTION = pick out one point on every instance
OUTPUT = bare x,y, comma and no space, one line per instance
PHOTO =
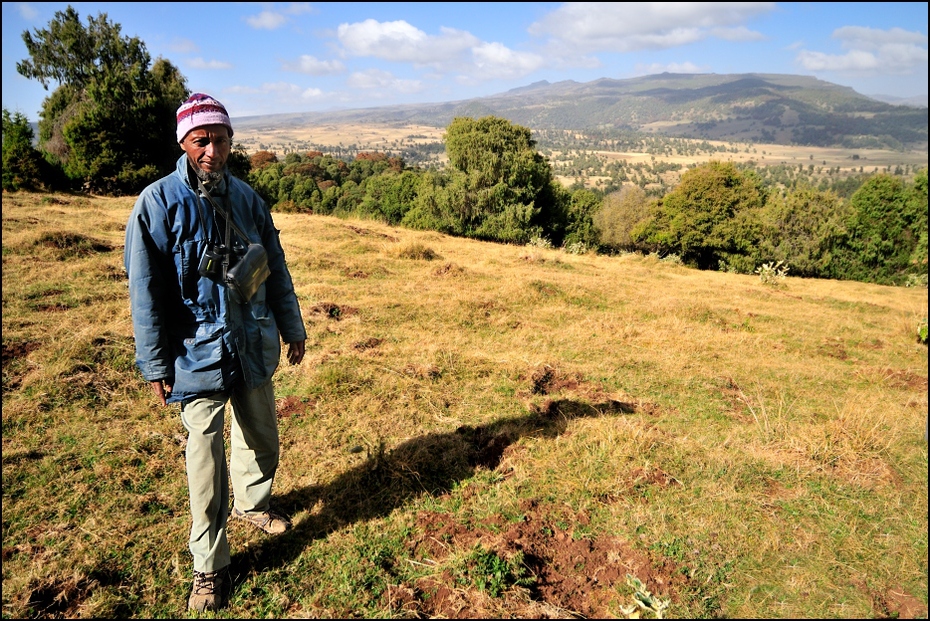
188,331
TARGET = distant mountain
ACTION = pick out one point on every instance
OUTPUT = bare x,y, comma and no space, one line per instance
773,108
920,101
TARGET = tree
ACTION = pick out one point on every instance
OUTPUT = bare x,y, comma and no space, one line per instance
110,122
22,163
799,229
581,228
505,183
620,212
884,231
918,259
710,217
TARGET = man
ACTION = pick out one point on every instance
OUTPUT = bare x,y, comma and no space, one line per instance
201,345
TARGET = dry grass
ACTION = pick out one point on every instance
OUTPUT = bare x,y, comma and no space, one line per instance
763,448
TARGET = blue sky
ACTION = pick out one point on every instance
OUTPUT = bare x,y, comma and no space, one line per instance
267,58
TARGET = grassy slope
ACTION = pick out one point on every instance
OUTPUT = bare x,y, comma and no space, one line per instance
747,450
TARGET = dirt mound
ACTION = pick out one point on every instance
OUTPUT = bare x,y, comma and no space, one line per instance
332,311
566,574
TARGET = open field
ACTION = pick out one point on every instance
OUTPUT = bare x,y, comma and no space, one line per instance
478,430
384,137
773,154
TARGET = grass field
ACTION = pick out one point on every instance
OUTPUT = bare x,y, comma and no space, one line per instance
391,138
477,430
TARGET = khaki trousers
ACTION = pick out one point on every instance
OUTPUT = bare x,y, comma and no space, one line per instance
254,452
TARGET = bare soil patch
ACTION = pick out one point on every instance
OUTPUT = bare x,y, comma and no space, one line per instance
333,311
571,575
15,351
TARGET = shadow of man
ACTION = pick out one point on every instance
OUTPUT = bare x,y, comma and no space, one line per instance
429,464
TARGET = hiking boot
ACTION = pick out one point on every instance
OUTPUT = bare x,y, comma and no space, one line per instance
211,590
268,521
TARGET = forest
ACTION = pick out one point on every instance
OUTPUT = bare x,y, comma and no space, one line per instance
497,183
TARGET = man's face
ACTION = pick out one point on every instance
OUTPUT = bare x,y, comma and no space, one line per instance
207,147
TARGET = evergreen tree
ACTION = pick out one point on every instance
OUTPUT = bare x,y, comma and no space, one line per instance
109,123
712,216
504,181
22,163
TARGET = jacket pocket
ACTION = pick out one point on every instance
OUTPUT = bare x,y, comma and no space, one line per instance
199,367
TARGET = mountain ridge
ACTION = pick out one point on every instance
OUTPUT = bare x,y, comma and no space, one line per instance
755,107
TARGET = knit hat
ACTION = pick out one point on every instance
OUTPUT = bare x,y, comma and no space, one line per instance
200,110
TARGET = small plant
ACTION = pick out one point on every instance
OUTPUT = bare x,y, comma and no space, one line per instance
916,280
488,572
922,332
672,258
417,251
540,242
577,248
772,274
643,600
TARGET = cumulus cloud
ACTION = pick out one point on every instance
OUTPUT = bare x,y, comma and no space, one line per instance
494,60
654,68
313,66
870,51
398,41
584,27
271,20
266,20
313,94
384,81
200,63
451,50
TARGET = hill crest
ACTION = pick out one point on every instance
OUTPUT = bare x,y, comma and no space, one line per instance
754,107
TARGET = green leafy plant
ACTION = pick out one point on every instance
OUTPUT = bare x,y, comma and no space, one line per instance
643,601
493,574
772,274
922,332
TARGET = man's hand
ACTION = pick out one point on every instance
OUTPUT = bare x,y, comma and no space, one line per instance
295,352
161,390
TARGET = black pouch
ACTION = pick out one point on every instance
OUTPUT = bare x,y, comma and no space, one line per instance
244,271
246,276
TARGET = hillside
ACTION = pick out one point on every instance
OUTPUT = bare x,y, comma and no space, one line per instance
779,109
478,430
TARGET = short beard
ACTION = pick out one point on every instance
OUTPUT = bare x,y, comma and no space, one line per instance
209,179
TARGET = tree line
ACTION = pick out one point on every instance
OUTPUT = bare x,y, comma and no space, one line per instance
108,128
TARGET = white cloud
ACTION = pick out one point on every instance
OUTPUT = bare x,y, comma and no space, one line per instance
313,66
738,34
299,8
383,80
451,50
183,46
398,41
272,20
871,38
200,63
313,94
26,11
870,51
628,26
655,68
266,20
494,60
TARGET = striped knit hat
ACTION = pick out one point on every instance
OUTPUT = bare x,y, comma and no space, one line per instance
200,110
